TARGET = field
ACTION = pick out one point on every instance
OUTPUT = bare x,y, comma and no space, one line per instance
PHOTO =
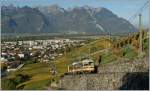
39,72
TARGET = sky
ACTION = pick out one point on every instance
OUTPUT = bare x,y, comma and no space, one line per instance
123,8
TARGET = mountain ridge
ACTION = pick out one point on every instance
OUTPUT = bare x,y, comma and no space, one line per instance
54,19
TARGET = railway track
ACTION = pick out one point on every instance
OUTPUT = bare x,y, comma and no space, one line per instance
104,50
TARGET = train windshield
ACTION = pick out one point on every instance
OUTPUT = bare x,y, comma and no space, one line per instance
88,62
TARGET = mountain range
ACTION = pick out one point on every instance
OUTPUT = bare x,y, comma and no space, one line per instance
54,19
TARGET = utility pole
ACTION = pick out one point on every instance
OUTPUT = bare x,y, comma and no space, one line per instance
89,51
109,38
149,29
65,51
140,31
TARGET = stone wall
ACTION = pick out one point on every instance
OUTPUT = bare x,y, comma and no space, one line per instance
118,75
92,81
137,65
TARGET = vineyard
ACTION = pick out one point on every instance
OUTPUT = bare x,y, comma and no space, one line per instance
124,48
123,61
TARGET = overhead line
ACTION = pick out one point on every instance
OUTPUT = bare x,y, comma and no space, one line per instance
140,10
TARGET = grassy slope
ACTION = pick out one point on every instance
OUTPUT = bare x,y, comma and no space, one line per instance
108,57
39,72
62,63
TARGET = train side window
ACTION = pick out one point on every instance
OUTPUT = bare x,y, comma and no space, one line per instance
91,63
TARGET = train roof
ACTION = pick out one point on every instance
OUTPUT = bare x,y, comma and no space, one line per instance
83,61
74,63
87,60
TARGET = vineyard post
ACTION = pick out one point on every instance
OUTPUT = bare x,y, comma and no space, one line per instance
140,30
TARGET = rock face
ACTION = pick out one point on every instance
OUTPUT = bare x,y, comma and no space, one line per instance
128,75
54,19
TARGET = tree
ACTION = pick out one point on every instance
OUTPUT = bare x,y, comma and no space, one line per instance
100,59
121,44
21,78
18,79
10,84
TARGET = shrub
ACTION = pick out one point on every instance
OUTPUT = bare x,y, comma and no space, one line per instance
109,57
8,84
128,52
21,78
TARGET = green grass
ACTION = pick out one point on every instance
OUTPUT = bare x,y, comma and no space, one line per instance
37,85
109,57
146,45
129,52
40,75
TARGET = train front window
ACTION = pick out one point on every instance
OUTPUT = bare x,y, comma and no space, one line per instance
91,63
88,64
78,65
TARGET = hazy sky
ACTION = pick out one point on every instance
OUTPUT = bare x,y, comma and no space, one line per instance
123,8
